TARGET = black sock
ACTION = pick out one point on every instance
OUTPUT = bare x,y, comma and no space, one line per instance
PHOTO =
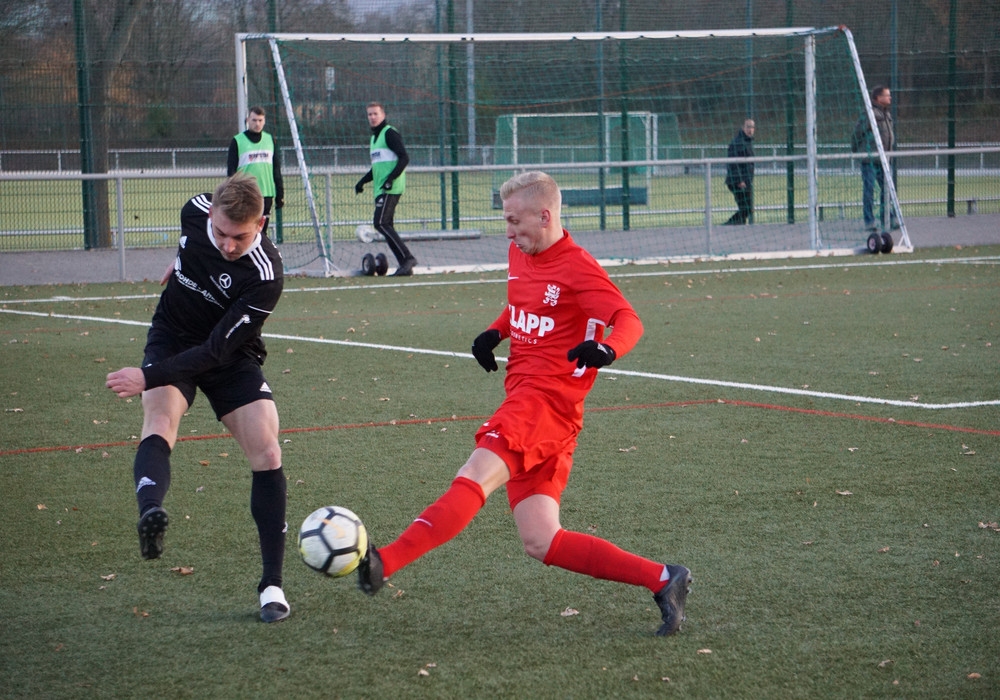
151,470
268,495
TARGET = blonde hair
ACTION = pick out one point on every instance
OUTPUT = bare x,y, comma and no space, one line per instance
537,186
238,198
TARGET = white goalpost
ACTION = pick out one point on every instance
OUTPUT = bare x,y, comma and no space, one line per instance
589,107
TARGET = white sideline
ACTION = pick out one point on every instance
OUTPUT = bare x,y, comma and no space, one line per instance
670,271
607,370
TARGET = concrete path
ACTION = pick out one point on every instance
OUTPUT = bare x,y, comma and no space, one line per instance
141,264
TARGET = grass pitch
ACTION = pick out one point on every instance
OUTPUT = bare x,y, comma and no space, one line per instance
817,440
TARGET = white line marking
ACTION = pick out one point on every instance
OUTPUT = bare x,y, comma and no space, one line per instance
628,373
673,271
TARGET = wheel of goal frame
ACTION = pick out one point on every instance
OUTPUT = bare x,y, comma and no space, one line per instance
381,264
874,243
368,265
886,246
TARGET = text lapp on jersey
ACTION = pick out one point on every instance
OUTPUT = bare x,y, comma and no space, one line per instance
531,325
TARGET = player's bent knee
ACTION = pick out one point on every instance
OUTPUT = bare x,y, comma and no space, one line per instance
266,459
536,547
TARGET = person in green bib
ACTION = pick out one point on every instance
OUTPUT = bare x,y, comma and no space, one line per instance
254,152
389,160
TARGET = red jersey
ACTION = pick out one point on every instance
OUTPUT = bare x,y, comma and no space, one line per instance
556,300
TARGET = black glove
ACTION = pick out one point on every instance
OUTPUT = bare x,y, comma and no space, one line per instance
482,349
359,188
387,185
590,353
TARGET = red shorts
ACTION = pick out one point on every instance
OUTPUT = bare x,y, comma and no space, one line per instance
536,441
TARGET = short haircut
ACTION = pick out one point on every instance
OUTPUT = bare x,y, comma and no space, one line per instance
238,198
375,104
258,110
877,91
536,185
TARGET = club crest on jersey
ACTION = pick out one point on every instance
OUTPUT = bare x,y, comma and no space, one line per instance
551,295
529,323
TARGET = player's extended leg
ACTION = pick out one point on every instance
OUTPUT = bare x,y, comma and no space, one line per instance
537,519
162,409
255,427
482,474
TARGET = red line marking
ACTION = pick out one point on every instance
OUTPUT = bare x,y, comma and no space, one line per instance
462,419
856,416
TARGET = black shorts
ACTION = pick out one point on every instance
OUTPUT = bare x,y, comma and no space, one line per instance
227,387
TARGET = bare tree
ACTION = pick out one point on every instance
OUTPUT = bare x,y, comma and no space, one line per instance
105,31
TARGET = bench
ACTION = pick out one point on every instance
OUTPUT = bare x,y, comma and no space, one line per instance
591,196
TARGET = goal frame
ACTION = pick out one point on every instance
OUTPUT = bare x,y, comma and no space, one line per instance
807,34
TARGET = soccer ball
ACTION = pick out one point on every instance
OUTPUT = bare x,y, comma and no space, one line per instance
333,540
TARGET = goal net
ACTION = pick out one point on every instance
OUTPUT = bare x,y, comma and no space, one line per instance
635,127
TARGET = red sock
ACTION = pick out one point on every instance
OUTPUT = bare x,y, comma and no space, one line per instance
441,521
586,554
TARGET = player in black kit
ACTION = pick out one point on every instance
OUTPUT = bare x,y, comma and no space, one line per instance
206,334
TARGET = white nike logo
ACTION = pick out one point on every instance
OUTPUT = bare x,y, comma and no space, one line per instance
511,277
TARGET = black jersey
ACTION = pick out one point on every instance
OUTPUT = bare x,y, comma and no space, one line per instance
213,307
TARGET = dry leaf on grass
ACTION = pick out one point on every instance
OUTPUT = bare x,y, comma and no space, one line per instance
704,651
109,577
973,676
990,526
883,664
844,493
183,570
569,612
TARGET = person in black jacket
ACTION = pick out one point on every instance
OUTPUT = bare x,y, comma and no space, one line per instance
863,141
739,176
223,284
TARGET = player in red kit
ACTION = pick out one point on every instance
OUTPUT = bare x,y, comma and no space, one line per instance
560,302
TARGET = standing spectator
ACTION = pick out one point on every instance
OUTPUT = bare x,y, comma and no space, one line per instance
863,141
253,152
559,303
206,334
739,176
389,161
